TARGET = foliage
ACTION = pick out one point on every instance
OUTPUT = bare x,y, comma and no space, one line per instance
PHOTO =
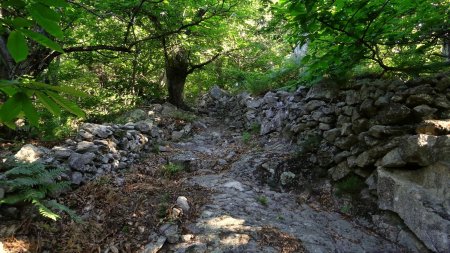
163,205
33,183
42,13
351,184
391,35
263,200
309,144
255,128
184,116
20,92
246,137
172,168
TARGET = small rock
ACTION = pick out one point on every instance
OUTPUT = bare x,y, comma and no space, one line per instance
286,177
143,126
332,134
217,93
176,213
77,178
98,130
177,135
154,247
234,184
171,232
424,111
182,202
197,248
113,249
392,159
61,153
313,105
340,171
86,146
79,161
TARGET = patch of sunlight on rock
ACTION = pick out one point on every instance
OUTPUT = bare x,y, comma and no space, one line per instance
235,239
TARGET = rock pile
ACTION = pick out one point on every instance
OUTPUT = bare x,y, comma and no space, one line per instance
384,131
102,148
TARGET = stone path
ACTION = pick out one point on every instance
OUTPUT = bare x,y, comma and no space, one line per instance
242,207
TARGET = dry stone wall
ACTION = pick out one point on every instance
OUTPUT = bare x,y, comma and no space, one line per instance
393,134
98,149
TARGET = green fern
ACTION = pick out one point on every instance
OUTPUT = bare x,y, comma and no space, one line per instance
33,183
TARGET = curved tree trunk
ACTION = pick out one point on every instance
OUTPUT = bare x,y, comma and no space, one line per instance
175,83
176,73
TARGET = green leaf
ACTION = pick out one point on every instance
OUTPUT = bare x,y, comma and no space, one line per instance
49,25
8,83
11,108
64,89
30,112
21,22
44,211
13,3
43,40
54,3
48,103
9,90
17,46
66,104
46,12
69,90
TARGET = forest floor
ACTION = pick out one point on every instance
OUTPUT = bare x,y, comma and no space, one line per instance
230,207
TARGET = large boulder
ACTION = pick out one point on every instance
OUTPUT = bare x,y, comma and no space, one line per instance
134,116
421,149
422,199
101,131
434,127
326,90
394,113
29,153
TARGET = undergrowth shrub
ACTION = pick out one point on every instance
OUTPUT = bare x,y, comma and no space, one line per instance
34,183
172,168
350,185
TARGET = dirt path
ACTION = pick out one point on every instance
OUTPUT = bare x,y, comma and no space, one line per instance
245,215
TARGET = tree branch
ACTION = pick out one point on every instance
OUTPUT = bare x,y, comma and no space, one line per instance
201,65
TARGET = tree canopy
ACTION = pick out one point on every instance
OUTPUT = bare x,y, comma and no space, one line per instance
123,53
391,35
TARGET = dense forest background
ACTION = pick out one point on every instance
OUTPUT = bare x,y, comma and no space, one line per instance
62,61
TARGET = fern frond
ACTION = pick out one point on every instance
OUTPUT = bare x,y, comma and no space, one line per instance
33,194
55,173
58,187
49,176
22,182
44,211
32,183
13,199
26,169
55,205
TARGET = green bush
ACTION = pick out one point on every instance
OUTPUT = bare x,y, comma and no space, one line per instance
246,137
33,183
172,168
351,185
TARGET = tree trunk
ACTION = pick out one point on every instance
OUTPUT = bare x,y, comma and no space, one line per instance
446,47
176,72
175,84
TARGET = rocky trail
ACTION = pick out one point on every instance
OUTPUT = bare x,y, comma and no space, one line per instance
360,169
245,215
